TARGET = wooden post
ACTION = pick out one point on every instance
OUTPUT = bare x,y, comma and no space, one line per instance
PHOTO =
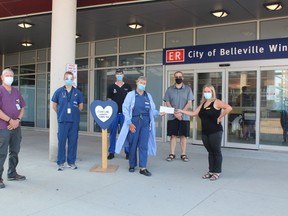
104,148
104,167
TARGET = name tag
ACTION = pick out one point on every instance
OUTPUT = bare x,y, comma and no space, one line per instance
69,110
18,107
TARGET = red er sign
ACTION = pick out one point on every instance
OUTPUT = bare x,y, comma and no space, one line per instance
175,55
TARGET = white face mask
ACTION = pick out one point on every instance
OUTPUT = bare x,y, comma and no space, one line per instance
8,80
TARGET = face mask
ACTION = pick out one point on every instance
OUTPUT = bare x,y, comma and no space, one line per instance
141,87
178,81
207,95
8,80
68,82
119,77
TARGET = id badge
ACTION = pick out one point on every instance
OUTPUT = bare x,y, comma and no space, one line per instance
69,110
18,107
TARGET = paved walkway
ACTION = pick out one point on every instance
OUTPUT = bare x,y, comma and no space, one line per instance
253,183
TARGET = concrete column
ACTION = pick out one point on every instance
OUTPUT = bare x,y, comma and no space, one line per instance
62,52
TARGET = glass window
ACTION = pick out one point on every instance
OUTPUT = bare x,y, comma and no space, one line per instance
27,57
132,59
106,47
154,58
41,55
82,63
154,41
274,29
242,97
132,44
27,89
27,69
41,68
106,61
274,107
82,50
179,38
11,59
154,87
82,85
224,34
41,101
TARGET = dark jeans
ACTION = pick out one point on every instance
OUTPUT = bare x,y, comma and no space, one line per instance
212,143
10,139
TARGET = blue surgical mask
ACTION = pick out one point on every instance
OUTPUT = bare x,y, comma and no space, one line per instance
207,95
141,87
119,77
69,82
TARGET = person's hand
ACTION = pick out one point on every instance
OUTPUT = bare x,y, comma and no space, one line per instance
178,116
13,124
132,128
218,120
162,113
177,111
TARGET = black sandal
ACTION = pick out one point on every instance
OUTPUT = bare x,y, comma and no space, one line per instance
184,158
171,157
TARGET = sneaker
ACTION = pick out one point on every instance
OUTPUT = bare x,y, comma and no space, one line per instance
127,156
17,177
72,166
110,156
60,167
2,185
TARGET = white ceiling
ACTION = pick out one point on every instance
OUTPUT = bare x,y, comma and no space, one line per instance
110,22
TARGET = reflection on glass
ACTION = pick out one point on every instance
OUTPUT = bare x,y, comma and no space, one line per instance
105,61
41,101
274,107
131,59
82,85
242,97
27,89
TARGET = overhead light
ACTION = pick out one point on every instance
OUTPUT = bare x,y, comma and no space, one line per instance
25,25
273,6
135,26
220,13
26,44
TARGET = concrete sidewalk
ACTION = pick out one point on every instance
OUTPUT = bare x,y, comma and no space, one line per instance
253,183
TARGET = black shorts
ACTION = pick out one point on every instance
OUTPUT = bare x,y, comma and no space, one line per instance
178,128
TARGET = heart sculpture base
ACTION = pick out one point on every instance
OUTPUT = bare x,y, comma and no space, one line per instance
99,168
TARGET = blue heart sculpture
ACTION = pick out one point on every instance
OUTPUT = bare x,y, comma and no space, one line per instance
104,112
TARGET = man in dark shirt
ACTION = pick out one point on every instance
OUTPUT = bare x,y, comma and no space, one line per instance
117,92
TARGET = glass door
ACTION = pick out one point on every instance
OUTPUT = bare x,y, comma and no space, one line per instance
242,125
215,78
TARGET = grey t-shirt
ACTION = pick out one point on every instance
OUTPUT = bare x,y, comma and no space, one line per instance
178,98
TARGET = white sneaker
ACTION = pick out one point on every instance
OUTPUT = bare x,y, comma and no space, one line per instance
72,166
60,167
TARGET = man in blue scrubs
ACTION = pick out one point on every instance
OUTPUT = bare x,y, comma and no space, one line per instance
67,103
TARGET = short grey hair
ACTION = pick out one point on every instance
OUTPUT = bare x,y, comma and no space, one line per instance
7,70
142,78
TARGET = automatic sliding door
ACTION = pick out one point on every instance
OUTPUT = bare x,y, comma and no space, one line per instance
242,97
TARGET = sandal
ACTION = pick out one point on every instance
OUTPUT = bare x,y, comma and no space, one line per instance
214,176
184,158
171,157
208,175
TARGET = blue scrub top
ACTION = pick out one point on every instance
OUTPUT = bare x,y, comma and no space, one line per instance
142,104
68,100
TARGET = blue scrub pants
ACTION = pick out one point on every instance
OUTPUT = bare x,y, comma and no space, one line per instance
113,128
67,130
139,139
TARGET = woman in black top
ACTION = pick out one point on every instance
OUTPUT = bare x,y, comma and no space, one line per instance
210,113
